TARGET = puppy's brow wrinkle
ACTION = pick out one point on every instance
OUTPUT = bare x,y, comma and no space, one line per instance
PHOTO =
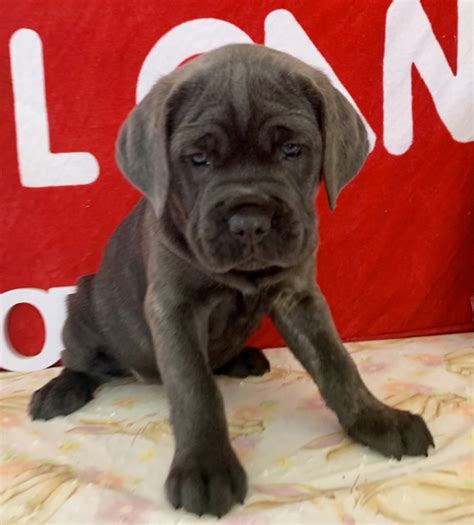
188,134
202,128
239,95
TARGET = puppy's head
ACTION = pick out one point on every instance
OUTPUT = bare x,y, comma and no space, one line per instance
230,149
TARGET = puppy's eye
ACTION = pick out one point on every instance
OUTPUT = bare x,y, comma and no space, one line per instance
199,160
290,150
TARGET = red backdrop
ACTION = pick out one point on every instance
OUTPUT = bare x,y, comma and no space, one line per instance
396,258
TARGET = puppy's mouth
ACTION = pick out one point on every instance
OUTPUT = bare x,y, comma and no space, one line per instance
251,264
254,270
255,275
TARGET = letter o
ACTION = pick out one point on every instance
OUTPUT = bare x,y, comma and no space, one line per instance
183,41
51,305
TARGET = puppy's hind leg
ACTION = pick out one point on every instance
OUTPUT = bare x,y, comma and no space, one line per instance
87,364
72,389
62,395
249,362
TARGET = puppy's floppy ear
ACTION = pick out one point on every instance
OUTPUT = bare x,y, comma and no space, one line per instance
345,142
141,149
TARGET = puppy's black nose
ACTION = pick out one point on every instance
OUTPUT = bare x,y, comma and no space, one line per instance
250,224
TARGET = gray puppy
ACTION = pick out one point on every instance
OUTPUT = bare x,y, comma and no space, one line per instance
229,151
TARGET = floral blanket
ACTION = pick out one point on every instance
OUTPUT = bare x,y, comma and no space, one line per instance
107,462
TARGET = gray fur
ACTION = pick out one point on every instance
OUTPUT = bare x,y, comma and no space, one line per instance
179,290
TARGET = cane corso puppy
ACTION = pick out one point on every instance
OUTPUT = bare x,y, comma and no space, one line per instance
229,151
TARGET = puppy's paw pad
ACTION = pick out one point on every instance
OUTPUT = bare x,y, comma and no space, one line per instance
393,433
206,486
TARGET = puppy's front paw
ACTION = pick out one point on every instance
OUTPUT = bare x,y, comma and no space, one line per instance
393,433
209,483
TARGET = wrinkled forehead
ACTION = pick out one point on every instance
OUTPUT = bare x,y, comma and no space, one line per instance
242,102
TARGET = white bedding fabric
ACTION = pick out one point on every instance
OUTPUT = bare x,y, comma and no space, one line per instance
107,462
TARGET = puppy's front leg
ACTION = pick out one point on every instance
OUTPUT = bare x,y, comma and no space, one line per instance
305,322
205,475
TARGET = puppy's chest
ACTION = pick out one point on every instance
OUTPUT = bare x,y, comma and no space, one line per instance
232,320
